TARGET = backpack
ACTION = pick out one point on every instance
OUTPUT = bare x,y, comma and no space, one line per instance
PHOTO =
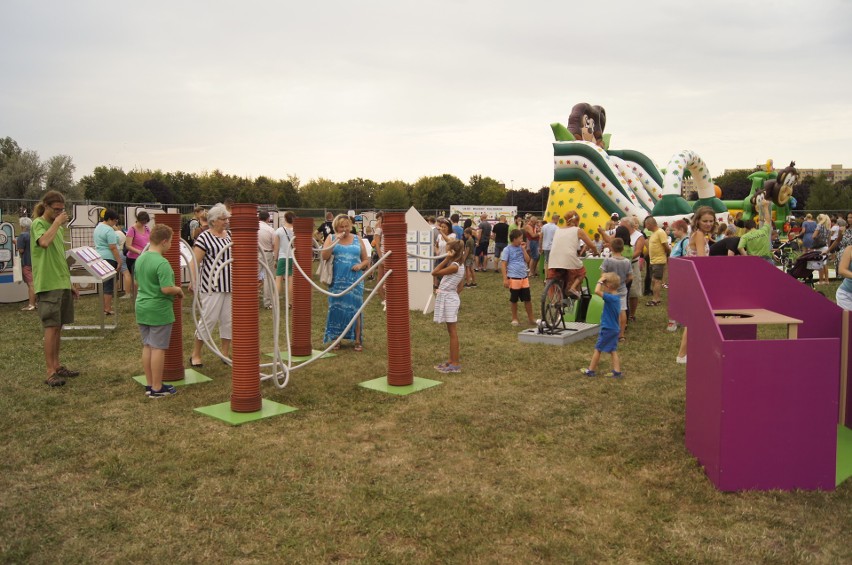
819,237
186,232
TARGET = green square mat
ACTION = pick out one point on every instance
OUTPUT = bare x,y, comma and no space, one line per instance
223,412
381,385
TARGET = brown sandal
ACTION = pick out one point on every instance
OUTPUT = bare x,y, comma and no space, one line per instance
54,380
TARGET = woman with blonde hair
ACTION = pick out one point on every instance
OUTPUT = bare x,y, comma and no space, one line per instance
349,257
820,243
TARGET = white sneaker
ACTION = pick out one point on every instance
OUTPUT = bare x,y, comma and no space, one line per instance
681,360
672,326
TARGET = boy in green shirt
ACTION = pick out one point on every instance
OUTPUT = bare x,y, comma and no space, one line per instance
155,281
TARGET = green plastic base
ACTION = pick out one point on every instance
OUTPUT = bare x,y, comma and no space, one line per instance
717,205
223,412
844,453
190,377
671,205
381,385
314,354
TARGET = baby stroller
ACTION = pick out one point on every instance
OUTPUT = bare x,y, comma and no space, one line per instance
805,265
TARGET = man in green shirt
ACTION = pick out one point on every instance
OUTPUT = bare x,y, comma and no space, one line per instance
52,281
758,241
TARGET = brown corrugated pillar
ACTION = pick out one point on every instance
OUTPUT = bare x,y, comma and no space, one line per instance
173,367
400,372
245,380
300,337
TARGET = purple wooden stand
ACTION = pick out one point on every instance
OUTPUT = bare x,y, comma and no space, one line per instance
760,415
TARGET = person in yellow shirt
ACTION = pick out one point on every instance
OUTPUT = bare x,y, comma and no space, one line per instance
658,254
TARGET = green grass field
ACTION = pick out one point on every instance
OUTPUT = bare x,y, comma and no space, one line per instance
518,459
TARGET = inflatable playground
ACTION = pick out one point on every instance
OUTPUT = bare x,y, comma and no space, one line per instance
597,180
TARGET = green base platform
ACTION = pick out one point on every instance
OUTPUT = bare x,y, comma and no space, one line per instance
190,377
223,412
314,354
844,453
381,385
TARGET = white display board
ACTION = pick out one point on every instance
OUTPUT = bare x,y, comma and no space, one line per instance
492,212
95,265
419,239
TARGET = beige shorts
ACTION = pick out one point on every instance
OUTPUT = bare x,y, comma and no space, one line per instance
637,287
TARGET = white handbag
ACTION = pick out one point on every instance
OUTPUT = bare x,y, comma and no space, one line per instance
17,270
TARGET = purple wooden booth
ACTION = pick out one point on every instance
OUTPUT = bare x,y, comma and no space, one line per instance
760,414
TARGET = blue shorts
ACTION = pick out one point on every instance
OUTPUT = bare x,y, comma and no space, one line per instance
532,249
607,340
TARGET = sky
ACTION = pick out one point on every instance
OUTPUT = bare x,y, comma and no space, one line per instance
394,89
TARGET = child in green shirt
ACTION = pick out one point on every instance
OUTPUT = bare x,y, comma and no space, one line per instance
155,281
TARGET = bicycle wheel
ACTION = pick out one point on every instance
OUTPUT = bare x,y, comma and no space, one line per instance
552,304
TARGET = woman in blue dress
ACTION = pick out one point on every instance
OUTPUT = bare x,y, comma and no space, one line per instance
807,235
349,257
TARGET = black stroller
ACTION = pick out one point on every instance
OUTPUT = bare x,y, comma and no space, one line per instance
805,265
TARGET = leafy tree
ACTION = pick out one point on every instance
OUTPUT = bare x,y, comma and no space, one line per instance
734,184
359,193
527,200
484,190
287,193
825,196
22,176
436,193
112,184
393,195
184,186
59,174
9,149
322,193
159,190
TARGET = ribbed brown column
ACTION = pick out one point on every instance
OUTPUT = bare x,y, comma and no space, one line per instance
300,337
400,372
245,380
173,367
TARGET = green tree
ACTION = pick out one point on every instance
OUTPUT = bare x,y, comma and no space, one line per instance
59,174
359,194
393,195
322,193
112,184
824,196
9,149
734,184
22,176
484,190
436,193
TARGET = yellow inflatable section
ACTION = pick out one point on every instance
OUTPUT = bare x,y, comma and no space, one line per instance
572,195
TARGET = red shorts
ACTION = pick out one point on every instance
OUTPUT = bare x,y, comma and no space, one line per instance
567,276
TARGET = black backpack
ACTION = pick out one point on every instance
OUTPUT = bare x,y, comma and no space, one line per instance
185,232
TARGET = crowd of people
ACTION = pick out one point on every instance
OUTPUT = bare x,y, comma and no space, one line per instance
635,255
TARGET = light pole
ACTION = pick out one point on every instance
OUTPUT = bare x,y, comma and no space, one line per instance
513,191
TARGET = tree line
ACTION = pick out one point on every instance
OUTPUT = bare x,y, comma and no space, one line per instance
23,175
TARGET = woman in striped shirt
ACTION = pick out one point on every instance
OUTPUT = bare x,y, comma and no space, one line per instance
214,293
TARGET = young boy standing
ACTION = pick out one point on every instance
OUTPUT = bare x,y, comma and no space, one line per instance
620,265
513,265
607,288
155,281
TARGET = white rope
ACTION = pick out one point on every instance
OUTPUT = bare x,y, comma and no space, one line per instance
349,289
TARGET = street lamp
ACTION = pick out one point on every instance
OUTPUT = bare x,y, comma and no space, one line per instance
513,191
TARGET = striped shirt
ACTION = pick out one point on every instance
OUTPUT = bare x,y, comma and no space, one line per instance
212,245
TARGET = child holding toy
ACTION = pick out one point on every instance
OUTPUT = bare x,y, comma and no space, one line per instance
156,289
607,288
513,265
451,273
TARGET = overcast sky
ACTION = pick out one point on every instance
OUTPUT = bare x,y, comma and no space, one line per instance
395,89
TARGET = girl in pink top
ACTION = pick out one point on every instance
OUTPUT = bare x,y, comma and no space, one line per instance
137,238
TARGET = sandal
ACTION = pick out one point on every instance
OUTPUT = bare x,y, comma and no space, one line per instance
54,380
622,339
28,308
108,312
652,303
359,347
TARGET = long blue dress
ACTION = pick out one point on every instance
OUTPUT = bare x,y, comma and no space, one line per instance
341,310
808,229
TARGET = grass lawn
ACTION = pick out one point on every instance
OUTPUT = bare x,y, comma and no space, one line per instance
518,459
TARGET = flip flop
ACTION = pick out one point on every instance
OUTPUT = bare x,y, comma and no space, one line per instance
195,365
